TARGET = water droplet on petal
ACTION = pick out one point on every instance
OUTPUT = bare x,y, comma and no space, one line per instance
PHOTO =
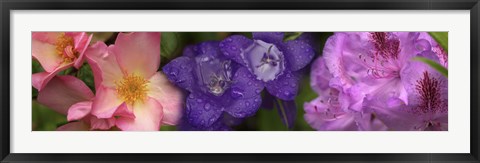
207,106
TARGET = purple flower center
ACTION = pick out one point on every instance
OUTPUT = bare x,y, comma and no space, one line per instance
264,60
213,74
428,88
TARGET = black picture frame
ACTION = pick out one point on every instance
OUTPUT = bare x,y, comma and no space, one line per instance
5,72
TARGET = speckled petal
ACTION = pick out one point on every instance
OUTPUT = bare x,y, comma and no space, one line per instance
179,72
233,46
202,111
270,37
298,54
285,86
246,94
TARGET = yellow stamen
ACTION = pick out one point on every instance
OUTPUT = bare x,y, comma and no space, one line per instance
132,89
64,41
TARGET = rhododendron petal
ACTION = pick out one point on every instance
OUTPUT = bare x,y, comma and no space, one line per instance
171,98
46,54
74,126
104,65
105,103
148,117
138,53
62,92
79,110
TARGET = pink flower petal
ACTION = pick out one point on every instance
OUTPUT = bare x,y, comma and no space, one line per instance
125,111
101,124
104,65
48,37
62,92
138,52
106,102
74,126
81,43
148,117
79,110
171,98
46,54
39,80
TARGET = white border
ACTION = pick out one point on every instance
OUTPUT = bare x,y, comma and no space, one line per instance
456,140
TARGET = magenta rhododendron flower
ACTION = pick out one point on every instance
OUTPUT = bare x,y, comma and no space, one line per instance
57,51
69,95
427,107
129,86
326,112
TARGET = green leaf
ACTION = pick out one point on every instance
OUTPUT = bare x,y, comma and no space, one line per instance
291,36
441,38
169,44
434,65
45,119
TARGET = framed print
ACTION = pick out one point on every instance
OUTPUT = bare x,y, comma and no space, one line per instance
187,81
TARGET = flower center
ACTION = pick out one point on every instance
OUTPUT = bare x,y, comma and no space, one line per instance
429,90
65,48
132,88
214,74
264,60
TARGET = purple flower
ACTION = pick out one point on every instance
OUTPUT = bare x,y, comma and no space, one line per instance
216,85
427,107
370,63
375,74
327,112
270,60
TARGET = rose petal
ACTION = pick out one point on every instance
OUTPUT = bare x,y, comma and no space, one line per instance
74,126
104,65
171,98
46,54
148,117
106,102
62,92
138,52
41,79
79,110
101,124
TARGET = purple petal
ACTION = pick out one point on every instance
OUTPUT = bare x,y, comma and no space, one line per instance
270,37
179,71
320,76
393,113
190,51
285,86
233,46
287,111
218,125
298,54
202,111
245,93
